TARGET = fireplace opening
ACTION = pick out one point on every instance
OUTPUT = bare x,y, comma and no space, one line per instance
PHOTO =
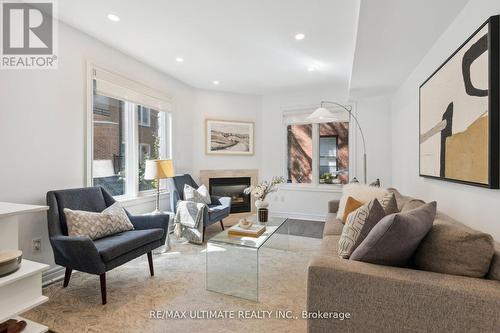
232,187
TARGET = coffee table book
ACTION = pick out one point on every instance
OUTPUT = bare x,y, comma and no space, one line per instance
253,231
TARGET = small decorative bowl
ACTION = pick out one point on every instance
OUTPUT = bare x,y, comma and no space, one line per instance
245,224
10,261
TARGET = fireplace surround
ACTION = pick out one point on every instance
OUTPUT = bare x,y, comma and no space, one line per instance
232,187
237,180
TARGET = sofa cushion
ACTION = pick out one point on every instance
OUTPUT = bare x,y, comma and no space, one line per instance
217,212
453,248
360,192
405,203
329,245
350,206
333,226
395,238
494,273
358,225
114,246
412,204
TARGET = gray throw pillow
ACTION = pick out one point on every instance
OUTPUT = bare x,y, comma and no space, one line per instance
389,204
395,238
199,195
358,225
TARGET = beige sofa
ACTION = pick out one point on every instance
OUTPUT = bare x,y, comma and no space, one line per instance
391,299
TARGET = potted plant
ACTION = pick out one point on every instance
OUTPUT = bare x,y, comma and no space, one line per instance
261,191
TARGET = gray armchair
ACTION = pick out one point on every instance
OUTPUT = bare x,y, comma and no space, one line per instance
101,255
217,211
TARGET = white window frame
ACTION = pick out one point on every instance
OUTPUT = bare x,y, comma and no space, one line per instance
137,90
315,185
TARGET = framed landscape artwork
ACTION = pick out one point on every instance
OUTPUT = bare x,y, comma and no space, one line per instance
459,113
229,137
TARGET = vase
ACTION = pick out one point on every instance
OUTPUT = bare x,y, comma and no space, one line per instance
261,204
262,211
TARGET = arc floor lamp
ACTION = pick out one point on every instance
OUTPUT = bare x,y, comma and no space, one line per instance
322,115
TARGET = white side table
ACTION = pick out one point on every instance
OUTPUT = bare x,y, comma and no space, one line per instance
171,226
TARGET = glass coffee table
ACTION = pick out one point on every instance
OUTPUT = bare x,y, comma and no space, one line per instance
233,261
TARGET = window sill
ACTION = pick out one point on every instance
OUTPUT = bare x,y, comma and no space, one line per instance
312,188
141,198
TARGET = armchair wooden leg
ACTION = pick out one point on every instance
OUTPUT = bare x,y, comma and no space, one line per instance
222,225
150,260
67,276
103,288
203,235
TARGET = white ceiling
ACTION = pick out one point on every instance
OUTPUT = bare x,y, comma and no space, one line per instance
393,37
247,45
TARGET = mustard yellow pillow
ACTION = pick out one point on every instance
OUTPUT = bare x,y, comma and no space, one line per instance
350,206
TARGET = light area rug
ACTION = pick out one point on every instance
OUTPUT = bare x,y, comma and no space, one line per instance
179,285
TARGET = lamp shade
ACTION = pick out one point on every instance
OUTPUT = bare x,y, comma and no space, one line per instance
321,115
159,169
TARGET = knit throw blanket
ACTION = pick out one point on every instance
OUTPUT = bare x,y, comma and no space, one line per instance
189,221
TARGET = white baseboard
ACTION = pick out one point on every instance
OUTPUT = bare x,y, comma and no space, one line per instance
300,216
54,274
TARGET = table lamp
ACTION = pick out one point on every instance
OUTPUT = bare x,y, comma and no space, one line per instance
156,170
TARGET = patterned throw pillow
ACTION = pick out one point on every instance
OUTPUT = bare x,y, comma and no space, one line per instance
119,217
199,195
111,221
358,225
389,203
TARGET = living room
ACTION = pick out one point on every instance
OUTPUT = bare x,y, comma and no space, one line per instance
186,166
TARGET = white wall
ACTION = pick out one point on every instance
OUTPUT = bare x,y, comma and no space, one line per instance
43,128
374,117
473,206
223,106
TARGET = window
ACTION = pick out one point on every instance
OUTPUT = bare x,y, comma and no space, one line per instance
125,134
334,152
150,144
300,153
144,115
316,153
109,153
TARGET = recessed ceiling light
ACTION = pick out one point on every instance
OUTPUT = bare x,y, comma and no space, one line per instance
300,36
311,69
113,17
216,82
179,59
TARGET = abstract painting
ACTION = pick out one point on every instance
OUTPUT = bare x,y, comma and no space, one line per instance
459,113
229,137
